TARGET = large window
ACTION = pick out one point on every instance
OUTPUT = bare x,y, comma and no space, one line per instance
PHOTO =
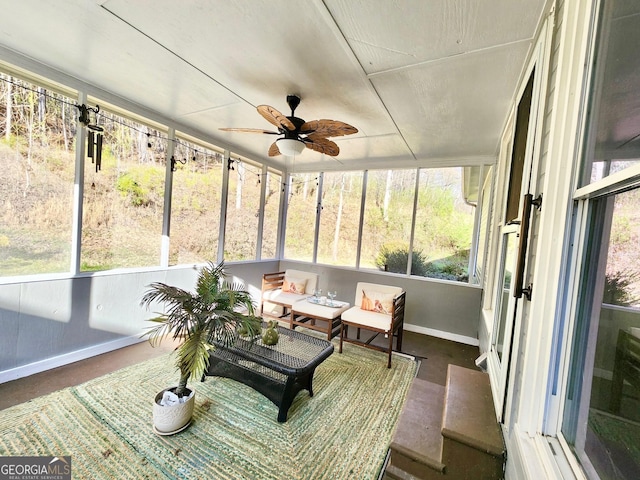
195,203
431,240
123,194
37,161
388,215
601,419
339,218
408,221
273,193
484,223
243,212
615,144
302,206
443,227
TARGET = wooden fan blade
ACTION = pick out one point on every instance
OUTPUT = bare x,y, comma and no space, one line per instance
274,151
250,130
322,145
327,128
276,118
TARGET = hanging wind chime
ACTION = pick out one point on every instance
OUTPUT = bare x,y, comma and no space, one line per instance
94,134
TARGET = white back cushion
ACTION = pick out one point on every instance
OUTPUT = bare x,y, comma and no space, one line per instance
312,278
374,287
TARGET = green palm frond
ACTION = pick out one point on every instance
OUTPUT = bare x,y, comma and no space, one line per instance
210,313
192,358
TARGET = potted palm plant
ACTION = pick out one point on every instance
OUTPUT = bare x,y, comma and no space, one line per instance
194,319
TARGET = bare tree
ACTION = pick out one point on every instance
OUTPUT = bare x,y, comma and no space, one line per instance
239,185
64,127
42,113
387,196
305,186
336,233
7,132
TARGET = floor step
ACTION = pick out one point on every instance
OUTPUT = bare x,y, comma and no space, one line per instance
473,445
395,473
416,448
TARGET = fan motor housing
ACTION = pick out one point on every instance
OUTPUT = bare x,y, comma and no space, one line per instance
297,122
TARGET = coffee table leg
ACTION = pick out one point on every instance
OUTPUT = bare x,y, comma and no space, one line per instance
291,389
310,382
288,395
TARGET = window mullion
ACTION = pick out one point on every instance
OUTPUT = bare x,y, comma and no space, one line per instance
168,190
78,192
363,199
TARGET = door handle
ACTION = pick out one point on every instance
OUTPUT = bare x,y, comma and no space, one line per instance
528,202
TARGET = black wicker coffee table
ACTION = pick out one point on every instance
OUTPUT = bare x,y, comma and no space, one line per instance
278,372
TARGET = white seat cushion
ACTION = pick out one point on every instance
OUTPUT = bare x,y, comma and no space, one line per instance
366,318
283,298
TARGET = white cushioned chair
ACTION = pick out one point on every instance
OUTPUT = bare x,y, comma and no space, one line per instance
280,290
378,309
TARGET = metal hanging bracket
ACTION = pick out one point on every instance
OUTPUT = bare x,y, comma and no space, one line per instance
537,202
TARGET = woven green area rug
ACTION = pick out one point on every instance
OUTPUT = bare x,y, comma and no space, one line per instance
342,432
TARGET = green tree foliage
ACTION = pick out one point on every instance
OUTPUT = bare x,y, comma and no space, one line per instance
618,289
142,186
394,256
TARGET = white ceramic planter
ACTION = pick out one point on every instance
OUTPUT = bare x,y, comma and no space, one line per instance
168,420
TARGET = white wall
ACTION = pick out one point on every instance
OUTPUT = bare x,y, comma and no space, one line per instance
449,310
48,323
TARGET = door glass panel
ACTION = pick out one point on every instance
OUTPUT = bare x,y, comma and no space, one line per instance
502,302
519,151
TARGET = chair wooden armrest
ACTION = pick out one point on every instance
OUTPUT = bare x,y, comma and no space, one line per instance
397,314
271,281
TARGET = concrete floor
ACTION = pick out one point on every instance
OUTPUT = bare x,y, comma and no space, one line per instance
434,353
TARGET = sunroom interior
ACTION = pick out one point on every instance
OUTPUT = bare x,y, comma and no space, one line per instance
449,99
429,117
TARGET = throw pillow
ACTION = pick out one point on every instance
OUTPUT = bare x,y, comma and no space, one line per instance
377,302
294,285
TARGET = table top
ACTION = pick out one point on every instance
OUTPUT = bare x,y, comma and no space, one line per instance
327,303
294,354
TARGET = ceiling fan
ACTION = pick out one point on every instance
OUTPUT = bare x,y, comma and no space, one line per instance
299,134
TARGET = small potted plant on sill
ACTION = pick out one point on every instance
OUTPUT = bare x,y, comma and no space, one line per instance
194,318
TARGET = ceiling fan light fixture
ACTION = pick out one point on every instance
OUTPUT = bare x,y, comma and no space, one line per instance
290,146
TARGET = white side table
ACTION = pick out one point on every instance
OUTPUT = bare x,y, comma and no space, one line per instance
316,316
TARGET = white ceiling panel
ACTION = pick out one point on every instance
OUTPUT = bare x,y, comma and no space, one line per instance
454,108
424,82
392,34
